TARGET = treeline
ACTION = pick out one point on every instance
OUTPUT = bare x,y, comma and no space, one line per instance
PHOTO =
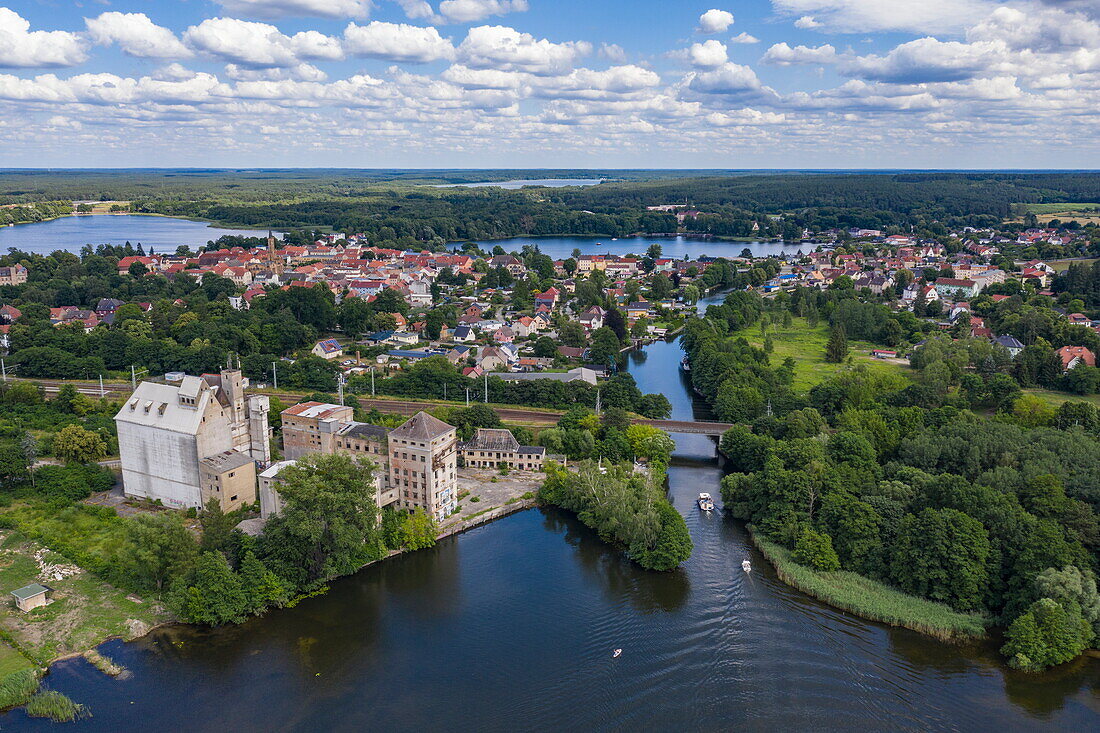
38,211
628,509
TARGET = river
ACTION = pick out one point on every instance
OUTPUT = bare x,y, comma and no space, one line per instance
511,627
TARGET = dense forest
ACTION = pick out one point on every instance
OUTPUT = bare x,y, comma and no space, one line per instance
908,482
407,208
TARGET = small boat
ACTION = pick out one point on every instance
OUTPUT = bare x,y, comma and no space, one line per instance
705,502
685,365
746,565
615,654
599,244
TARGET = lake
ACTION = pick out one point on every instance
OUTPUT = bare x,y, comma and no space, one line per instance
511,627
164,234
71,233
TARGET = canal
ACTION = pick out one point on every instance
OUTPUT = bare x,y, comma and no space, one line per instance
511,626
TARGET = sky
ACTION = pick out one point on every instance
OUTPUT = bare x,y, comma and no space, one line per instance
550,83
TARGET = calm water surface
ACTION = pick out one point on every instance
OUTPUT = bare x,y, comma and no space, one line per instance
73,232
511,627
164,234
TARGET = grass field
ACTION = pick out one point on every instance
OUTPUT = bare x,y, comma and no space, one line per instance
873,600
1059,208
1063,265
86,611
806,345
1082,213
1055,399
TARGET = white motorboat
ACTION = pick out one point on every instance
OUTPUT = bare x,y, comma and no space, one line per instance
616,653
746,565
705,502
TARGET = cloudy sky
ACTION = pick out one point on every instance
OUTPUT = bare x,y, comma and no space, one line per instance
552,83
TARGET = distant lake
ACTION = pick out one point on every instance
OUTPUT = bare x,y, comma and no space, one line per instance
71,233
674,247
549,182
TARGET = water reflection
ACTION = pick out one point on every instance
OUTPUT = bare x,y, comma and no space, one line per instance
618,578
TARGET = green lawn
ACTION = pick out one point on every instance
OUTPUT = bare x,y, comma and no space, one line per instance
806,345
1055,399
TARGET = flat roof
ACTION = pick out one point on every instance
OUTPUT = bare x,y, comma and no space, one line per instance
30,591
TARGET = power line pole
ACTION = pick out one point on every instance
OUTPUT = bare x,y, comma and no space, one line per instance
4,368
133,377
102,394
486,388
597,402
467,397
340,386
372,381
275,375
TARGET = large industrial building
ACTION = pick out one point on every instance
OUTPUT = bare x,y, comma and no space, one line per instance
165,431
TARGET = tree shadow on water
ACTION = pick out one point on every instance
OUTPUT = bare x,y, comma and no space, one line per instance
617,577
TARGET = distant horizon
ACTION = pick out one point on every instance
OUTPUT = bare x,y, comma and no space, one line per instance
241,169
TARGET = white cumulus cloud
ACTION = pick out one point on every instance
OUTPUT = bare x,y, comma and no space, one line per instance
506,49
397,42
258,45
471,11
20,47
926,60
715,21
782,54
416,8
708,54
299,8
136,35
869,16
744,38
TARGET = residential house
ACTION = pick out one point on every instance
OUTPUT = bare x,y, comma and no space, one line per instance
1074,356
328,349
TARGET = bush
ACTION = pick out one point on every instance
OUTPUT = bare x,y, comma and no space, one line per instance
815,550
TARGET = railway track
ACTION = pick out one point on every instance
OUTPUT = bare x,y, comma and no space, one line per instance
401,407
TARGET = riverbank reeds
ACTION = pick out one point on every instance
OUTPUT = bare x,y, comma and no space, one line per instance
55,706
18,688
872,600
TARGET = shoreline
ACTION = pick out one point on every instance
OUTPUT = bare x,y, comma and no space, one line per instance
966,628
450,530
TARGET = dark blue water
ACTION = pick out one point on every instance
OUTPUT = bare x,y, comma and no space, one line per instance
73,232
